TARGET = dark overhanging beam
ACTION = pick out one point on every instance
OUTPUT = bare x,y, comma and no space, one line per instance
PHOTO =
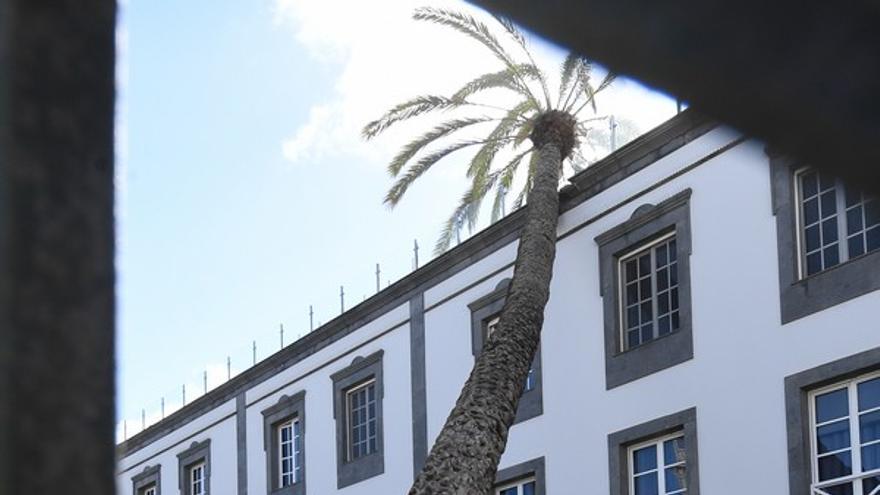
56,246
802,76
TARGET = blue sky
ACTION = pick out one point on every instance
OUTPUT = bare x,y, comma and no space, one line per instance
245,192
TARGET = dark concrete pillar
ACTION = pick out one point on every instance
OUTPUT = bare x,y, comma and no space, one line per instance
56,246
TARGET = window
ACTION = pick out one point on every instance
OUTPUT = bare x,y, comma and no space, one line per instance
197,479
845,422
828,237
283,442
644,270
649,285
147,481
289,445
836,222
524,487
357,407
195,469
525,478
833,421
485,313
655,458
659,467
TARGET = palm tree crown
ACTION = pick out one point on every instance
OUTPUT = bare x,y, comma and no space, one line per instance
512,125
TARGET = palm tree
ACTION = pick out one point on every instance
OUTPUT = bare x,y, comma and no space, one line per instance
465,456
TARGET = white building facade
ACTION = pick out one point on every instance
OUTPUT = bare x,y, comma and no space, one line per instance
712,326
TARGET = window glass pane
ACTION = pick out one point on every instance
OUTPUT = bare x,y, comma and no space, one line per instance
854,220
873,239
811,211
826,181
644,265
831,405
508,491
808,184
869,394
814,263
872,212
673,451
528,488
647,484
631,270
833,436
645,459
856,245
842,489
829,204
871,457
811,238
675,478
832,255
829,230
632,293
835,466
869,484
869,427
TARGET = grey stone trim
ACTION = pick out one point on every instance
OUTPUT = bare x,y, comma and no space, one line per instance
418,381
241,442
614,168
286,408
797,416
647,223
531,403
150,476
349,472
197,452
798,296
534,467
618,443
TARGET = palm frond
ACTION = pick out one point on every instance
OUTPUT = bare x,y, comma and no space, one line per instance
416,170
450,229
508,78
473,28
409,150
497,139
505,179
520,38
521,198
606,81
568,69
407,110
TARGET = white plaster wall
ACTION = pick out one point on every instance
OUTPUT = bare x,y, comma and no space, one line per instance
320,435
223,480
741,351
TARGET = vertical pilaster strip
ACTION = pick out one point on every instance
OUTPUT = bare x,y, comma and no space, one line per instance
241,441
417,380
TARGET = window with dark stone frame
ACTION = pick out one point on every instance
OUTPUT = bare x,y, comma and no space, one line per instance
645,283
285,457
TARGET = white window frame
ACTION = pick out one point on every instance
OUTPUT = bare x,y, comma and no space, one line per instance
621,289
661,465
841,214
199,468
293,424
518,484
150,490
349,426
855,447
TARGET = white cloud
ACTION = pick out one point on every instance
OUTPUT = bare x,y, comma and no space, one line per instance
386,57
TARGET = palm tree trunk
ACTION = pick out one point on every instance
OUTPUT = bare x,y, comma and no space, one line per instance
465,456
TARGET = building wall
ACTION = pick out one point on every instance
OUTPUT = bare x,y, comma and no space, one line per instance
742,352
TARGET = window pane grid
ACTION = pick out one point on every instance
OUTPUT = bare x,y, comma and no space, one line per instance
659,467
650,292
289,448
362,420
523,487
837,223
197,480
854,466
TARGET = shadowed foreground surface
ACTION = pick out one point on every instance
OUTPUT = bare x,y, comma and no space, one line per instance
803,76
56,246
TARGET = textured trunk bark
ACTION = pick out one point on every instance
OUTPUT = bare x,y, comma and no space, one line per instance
465,456
56,246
